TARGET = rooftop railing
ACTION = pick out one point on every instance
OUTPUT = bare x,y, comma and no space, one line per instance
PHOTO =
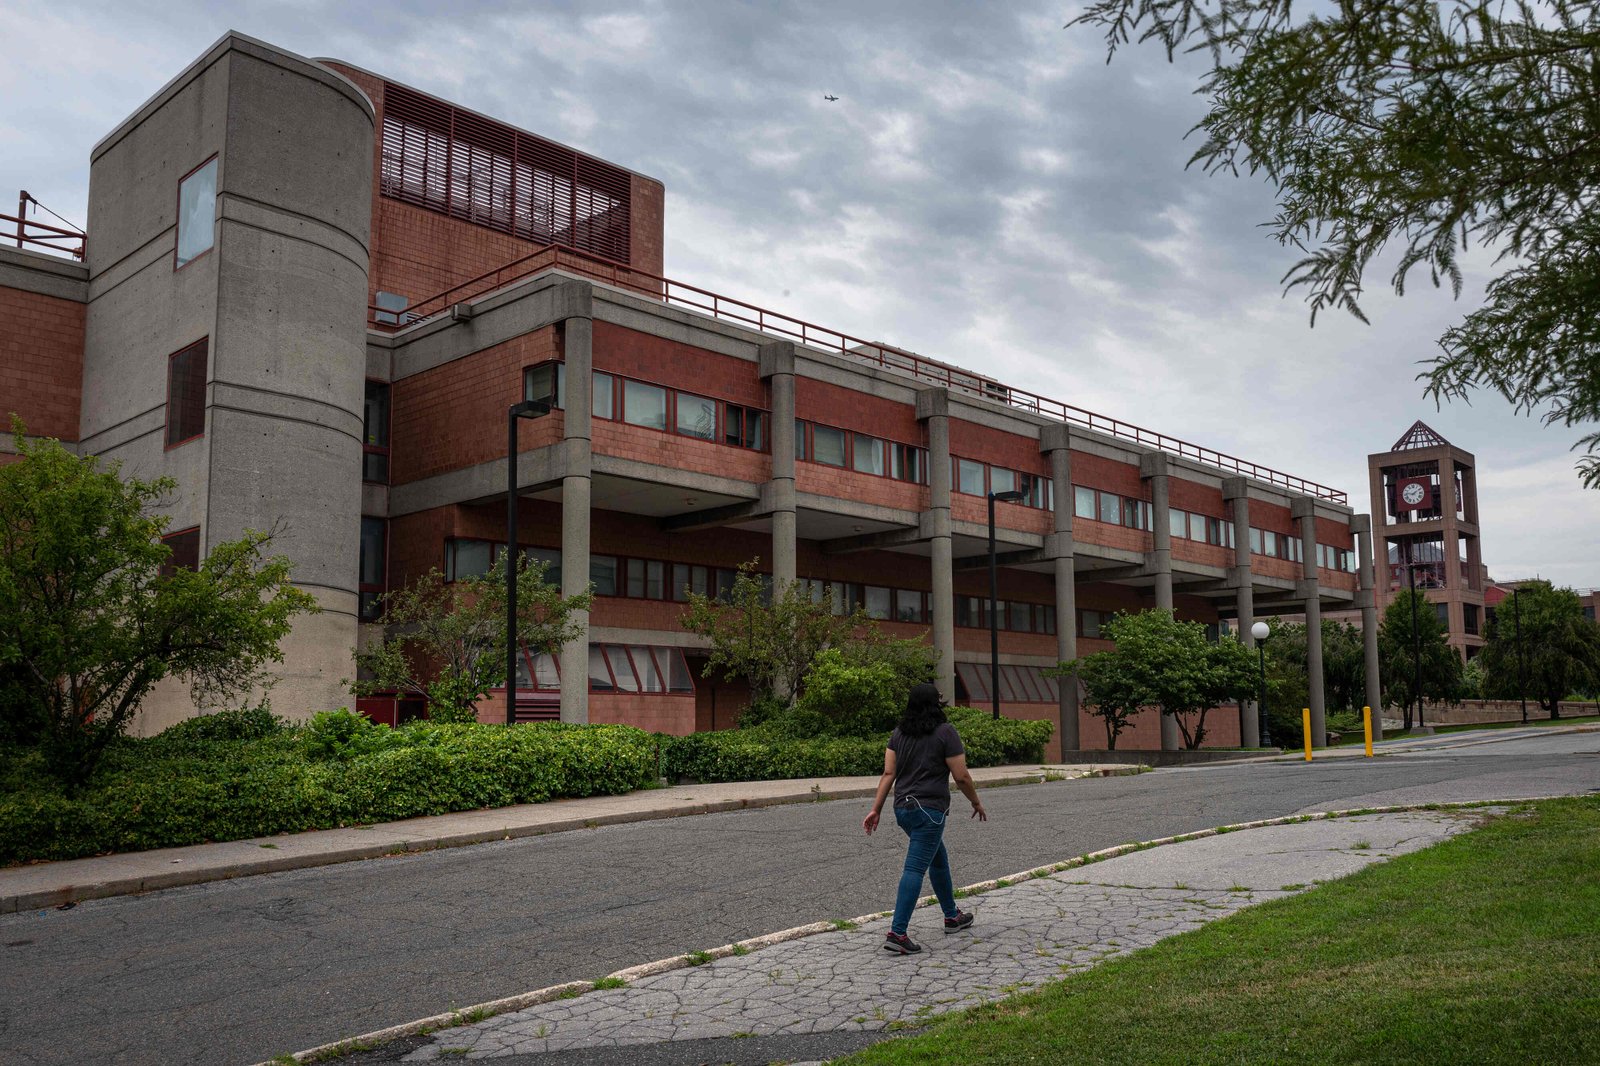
931,371
37,236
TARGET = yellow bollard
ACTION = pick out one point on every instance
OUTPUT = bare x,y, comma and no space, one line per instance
1305,721
1366,724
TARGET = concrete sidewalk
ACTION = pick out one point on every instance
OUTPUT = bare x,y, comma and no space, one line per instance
54,884
778,997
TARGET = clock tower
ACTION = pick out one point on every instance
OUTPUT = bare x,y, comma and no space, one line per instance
1425,495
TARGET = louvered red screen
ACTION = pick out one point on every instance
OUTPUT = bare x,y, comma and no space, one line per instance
467,167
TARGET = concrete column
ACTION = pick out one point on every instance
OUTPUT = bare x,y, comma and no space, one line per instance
1303,510
1361,525
777,370
1055,441
933,407
1153,467
1236,493
576,486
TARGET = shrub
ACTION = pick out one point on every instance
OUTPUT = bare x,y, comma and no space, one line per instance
856,699
768,753
243,723
185,787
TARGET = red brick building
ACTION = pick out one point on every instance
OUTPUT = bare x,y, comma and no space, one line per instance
311,294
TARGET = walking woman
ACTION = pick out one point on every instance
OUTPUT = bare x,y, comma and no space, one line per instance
924,752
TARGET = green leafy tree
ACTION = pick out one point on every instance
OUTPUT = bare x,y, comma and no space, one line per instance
1113,692
446,641
93,619
1398,655
1163,662
1560,647
1425,129
768,637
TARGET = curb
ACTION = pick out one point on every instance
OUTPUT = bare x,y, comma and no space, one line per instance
132,885
571,989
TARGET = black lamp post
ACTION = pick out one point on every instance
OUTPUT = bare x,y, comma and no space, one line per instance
1261,631
994,582
525,409
1522,677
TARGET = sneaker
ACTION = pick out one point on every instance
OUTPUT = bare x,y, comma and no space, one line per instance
900,944
961,921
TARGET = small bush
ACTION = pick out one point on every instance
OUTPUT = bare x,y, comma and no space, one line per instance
244,723
855,698
770,752
343,735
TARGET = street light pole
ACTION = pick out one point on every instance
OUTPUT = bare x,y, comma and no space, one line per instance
994,593
1261,631
1522,676
525,409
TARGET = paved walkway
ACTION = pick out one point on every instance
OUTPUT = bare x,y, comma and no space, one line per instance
52,884
1045,924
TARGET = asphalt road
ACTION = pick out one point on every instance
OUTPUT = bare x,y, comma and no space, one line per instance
239,971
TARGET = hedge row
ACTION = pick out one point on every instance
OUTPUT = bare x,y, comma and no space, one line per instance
162,793
764,753
230,777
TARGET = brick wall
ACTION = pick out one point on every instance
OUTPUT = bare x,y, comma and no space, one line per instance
41,363
454,415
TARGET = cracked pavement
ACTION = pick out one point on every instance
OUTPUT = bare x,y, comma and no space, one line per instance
1026,934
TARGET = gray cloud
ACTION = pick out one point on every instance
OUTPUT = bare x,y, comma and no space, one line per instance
986,191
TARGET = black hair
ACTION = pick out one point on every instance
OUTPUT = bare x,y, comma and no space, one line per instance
924,712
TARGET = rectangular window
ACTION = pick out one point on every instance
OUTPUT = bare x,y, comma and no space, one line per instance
1137,514
186,394
800,451
747,428
646,579
969,613
599,673
621,668
197,214
603,402
375,434
1197,527
876,602
908,606
1269,542
1178,523
547,382
185,547
1219,532
827,445
1111,509
1083,502
644,405
688,579
551,558
603,574
1002,480
374,567
909,463
1443,611
1089,622
1469,618
697,416
644,664
724,584
1255,541
465,559
969,477
1050,620
1021,620
866,454
1037,491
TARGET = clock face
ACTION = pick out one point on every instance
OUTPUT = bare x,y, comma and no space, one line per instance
1412,494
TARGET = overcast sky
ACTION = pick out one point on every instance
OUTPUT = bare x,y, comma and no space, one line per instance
986,191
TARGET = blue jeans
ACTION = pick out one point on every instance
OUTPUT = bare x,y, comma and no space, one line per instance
925,856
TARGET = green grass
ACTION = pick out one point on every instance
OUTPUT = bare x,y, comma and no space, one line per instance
1484,948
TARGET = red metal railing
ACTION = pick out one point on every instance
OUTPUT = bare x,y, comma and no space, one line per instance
924,369
40,236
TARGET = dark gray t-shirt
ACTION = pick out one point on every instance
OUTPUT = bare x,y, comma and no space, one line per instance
920,769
